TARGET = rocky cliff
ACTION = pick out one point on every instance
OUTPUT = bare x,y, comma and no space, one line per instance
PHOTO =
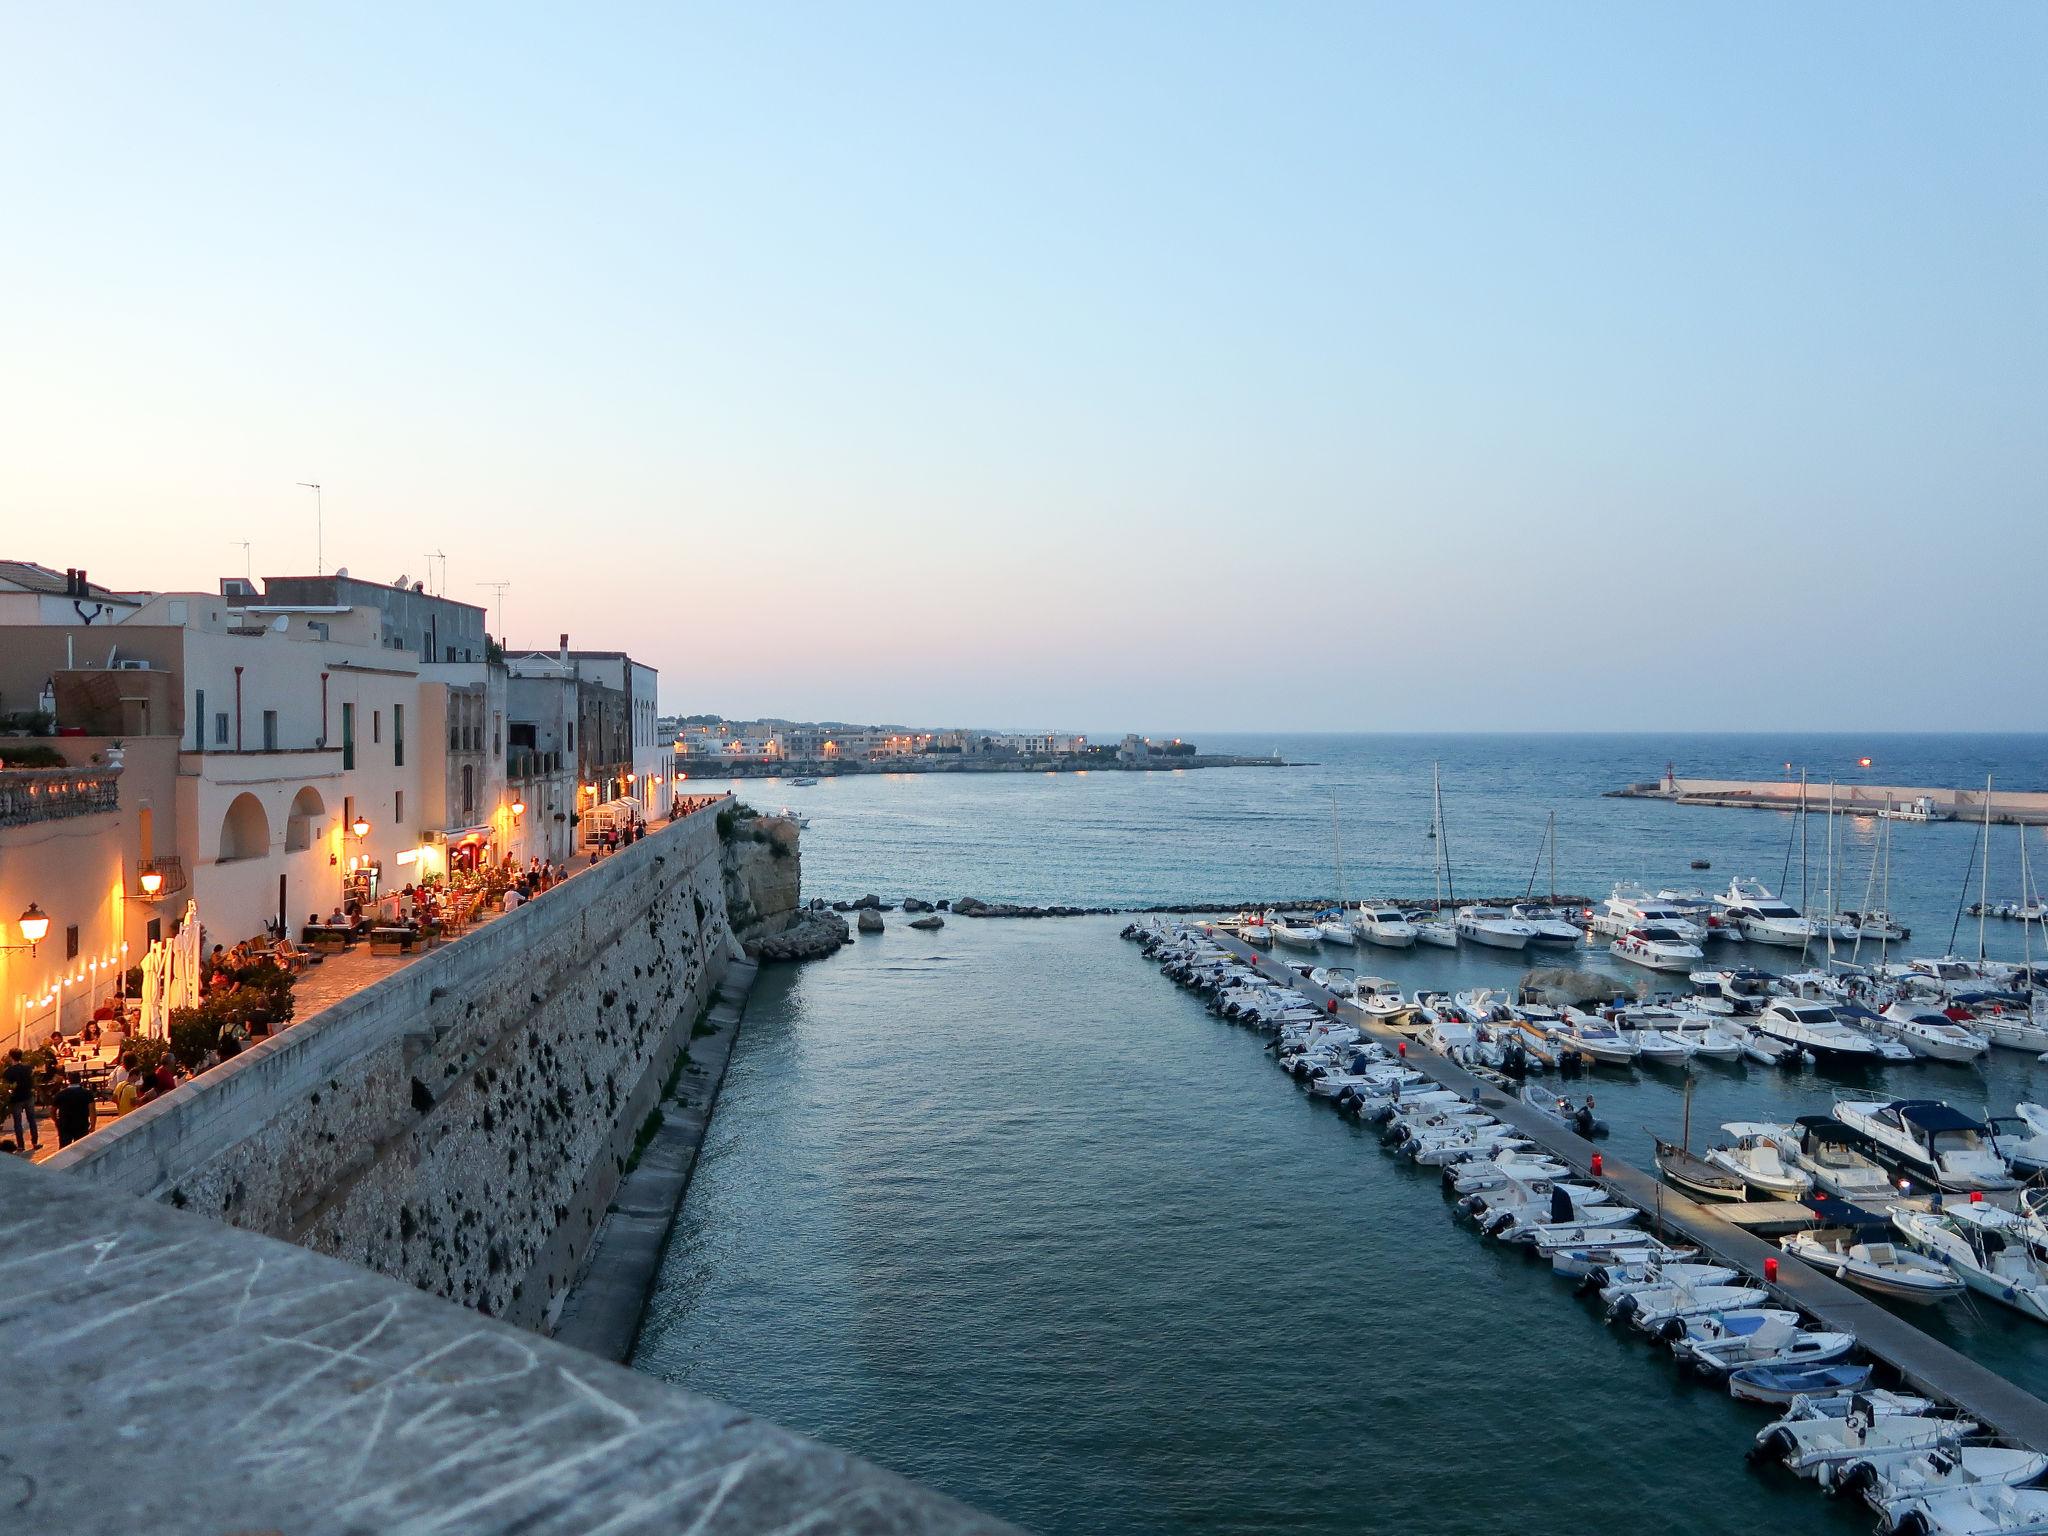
762,862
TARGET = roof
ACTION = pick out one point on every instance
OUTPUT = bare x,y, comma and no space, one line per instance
1933,1115
31,577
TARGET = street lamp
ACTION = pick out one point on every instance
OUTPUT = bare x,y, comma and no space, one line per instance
361,828
152,880
35,927
518,809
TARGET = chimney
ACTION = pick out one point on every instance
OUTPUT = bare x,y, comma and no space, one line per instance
71,582
84,586
565,653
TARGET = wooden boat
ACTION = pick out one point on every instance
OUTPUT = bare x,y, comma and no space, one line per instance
1697,1176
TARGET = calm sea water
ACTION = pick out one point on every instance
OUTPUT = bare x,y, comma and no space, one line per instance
1000,1208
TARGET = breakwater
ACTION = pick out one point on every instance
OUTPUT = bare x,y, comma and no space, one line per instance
1917,802
462,1123
974,906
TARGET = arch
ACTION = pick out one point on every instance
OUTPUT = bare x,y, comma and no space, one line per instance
307,806
245,830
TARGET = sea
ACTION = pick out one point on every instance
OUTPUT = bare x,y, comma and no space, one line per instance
1000,1208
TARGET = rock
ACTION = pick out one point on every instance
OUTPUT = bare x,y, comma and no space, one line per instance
869,921
941,906
912,904
1560,986
968,906
934,921
842,906
812,936
870,902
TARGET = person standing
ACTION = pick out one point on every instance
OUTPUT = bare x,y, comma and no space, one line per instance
74,1110
20,1079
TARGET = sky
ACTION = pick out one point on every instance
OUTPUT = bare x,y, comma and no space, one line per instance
1082,366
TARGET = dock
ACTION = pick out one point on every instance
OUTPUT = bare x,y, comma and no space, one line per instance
2026,808
1924,1364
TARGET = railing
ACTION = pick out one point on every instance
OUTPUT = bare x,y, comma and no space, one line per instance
170,867
49,794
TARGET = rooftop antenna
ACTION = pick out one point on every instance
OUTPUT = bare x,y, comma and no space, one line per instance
499,588
248,569
442,556
319,547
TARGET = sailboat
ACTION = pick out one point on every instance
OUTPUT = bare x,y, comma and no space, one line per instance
1430,927
1550,925
1336,926
1693,1174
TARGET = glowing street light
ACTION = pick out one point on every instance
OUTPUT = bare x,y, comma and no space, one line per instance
361,828
152,881
35,927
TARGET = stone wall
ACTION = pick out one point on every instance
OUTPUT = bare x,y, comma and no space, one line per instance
763,865
462,1123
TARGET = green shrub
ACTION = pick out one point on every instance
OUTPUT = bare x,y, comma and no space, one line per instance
147,1051
194,1034
16,754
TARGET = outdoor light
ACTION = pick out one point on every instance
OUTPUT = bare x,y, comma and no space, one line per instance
152,882
35,927
518,807
361,828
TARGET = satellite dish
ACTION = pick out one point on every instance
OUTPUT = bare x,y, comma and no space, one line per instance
400,583
419,586
341,573
281,623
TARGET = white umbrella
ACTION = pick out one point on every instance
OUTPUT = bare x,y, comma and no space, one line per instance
152,986
186,994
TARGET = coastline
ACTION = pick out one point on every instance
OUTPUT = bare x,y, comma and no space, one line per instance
716,768
608,1299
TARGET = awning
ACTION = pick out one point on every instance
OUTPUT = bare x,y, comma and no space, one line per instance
463,837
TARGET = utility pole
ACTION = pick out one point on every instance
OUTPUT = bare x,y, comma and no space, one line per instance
499,588
319,524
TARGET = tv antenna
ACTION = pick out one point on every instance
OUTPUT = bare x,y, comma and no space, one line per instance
442,556
319,551
248,570
499,588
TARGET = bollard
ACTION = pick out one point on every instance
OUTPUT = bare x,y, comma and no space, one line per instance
1597,1165
1976,1197
1401,1049
1771,1271
1331,1005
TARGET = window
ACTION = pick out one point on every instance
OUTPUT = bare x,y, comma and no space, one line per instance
199,720
468,790
220,728
270,730
348,736
398,809
376,726
454,738
398,735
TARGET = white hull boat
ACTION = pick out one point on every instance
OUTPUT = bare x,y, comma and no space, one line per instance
1757,1158
1930,1141
1492,928
1386,927
1883,1269
1657,949
1435,931
2007,1272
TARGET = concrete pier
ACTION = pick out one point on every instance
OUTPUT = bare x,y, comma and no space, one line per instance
2008,807
1925,1364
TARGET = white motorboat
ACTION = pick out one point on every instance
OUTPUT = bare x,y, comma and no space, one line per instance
1739,991
1765,1050
1555,1106
1655,1309
1336,928
1814,1028
2022,1138
1719,1344
1928,1140
1966,1503
1808,1439
1387,927
1701,910
1873,927
1882,1268
2014,1028
1253,928
1711,1038
1657,947
1294,932
1919,808
1492,928
1757,1158
1763,918
1933,1035
1432,928
1547,925
1631,907
1983,1245
1378,997
1634,1279
1596,1039
1656,1048
1826,1153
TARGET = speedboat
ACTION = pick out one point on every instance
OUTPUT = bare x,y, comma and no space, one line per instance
805,781
1701,910
1631,907
1710,1038
1575,1117
1764,1336
1336,928
1658,947
1431,928
1293,932
1882,1268
1596,1039
1814,1028
1696,1176
1378,997
1739,991
1758,1160
1493,928
1656,1309
1387,927
1928,1140
1986,1246
1933,1035
1253,928
2010,1026
1965,1501
1826,1153
1808,1439
1874,927
1547,924
1763,918
1783,1383
2022,1138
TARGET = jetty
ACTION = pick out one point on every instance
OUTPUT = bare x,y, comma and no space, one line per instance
1925,1364
1905,802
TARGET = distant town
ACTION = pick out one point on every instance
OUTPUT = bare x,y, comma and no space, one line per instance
770,747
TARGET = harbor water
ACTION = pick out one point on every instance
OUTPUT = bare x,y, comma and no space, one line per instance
1002,1209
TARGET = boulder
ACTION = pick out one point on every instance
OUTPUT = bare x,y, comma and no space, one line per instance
968,906
913,904
869,903
1562,986
812,936
869,921
934,921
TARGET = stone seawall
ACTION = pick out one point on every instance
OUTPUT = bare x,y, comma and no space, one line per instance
462,1123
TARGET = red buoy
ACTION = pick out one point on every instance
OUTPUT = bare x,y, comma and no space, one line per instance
1771,1270
1596,1165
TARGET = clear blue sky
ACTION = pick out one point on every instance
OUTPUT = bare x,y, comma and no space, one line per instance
1304,366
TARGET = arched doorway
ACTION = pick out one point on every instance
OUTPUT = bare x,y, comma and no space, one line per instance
301,825
244,831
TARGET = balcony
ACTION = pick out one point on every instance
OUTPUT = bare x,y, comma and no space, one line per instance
50,794
169,868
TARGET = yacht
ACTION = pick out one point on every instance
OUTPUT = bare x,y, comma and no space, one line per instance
1739,991
1379,997
1298,935
1697,907
1387,927
1548,925
2023,1138
1493,928
1929,1140
1985,1246
1814,1028
1430,928
1933,1035
1631,907
1658,947
1763,918
1826,1152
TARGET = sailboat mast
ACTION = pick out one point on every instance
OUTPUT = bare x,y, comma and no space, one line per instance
1553,857
1984,887
1337,836
1443,839
1831,903
2026,922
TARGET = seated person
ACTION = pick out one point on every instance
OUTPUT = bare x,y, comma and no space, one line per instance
336,919
90,1035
